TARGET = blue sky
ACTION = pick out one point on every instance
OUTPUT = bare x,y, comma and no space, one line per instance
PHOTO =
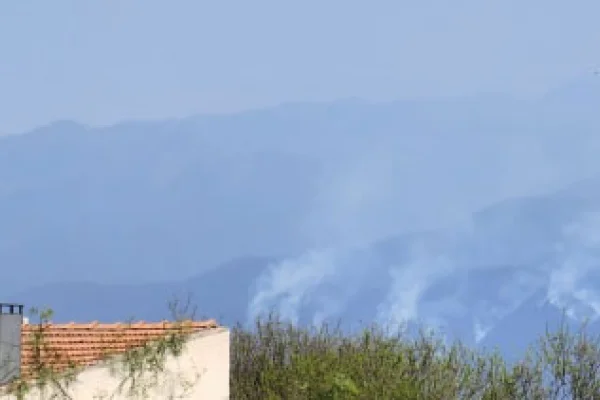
100,62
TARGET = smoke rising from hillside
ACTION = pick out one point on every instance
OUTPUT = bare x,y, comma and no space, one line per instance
573,281
357,204
465,285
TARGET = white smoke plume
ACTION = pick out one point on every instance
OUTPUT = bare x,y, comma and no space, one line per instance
409,281
572,285
350,211
286,286
330,277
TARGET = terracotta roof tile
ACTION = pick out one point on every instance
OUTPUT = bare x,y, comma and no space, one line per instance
80,345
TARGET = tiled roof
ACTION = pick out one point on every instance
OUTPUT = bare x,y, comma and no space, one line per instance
82,345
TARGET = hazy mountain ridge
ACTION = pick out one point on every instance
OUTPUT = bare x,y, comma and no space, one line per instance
120,191
378,203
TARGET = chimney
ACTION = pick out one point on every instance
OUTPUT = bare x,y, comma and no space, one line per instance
11,319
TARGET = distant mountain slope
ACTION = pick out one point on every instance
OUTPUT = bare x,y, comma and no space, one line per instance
547,247
139,203
154,200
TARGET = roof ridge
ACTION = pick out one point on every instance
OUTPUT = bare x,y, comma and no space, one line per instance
200,324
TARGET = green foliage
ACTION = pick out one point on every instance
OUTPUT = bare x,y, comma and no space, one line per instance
277,360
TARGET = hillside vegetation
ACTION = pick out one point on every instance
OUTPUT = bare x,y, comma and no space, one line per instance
278,360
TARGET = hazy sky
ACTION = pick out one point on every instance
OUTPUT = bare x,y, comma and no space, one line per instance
99,62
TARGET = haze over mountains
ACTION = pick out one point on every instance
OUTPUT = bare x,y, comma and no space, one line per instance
468,214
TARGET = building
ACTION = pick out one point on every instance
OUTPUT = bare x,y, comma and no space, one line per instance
187,360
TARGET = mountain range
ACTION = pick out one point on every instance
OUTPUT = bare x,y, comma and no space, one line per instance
475,215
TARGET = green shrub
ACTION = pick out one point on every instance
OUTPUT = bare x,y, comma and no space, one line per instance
278,360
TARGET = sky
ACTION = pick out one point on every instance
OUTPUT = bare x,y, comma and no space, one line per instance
101,62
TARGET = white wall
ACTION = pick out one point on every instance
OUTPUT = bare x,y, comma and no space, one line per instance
200,372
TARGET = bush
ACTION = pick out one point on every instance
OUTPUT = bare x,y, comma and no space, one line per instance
278,360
